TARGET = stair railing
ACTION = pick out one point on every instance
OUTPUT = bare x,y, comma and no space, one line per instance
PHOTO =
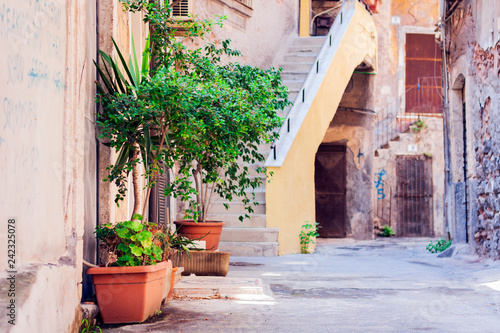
392,120
314,71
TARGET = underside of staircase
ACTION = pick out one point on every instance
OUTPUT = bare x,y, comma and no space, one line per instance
251,237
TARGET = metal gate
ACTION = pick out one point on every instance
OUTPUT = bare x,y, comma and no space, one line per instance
414,196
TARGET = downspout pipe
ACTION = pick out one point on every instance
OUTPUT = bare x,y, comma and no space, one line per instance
446,124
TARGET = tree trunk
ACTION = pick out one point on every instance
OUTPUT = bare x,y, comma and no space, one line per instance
136,174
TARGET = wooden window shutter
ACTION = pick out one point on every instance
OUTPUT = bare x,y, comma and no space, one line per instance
423,74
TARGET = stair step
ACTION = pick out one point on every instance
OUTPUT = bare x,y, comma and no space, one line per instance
300,58
296,67
293,85
298,50
249,234
289,76
232,221
250,249
318,41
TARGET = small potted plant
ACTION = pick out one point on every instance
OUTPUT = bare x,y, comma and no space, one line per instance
129,286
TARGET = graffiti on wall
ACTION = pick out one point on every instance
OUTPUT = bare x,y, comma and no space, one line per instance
379,184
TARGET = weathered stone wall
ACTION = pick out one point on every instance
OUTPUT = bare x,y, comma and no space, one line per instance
473,42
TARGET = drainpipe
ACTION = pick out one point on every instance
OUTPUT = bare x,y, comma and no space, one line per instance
446,124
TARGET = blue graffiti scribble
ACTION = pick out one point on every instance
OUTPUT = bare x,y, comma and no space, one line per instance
379,184
359,156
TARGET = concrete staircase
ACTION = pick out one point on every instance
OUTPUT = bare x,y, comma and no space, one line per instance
251,237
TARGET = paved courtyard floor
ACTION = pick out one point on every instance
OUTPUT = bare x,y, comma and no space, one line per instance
384,285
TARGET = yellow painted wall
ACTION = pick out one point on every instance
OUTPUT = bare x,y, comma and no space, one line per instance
305,18
290,197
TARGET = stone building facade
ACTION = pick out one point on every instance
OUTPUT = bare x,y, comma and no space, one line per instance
408,198
471,40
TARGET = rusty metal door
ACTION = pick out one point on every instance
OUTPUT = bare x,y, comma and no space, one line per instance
330,184
414,196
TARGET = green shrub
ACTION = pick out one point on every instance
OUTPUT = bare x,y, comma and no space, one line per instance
439,246
387,232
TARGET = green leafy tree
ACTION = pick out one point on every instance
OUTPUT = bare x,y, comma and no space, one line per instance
189,112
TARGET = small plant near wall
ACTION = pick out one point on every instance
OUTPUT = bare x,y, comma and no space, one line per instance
87,327
387,232
307,236
418,126
439,246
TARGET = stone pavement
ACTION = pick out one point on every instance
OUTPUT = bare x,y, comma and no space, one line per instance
384,285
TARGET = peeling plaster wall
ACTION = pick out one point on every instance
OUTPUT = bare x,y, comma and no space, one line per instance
395,16
46,143
473,42
396,19
260,33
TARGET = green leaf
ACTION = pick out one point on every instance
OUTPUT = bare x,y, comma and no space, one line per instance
124,248
137,217
136,251
123,233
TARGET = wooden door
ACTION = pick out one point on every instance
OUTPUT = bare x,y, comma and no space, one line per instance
414,196
330,184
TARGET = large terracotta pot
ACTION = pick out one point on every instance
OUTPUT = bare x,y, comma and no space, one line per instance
128,294
208,231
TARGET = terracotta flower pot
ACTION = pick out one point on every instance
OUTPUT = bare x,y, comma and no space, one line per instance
170,295
168,277
128,294
208,231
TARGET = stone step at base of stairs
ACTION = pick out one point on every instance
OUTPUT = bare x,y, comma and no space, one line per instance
232,221
219,286
250,249
249,234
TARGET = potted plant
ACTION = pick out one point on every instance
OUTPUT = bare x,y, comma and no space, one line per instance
208,117
189,111
232,110
129,287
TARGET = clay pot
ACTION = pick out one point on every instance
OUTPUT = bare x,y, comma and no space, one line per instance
168,277
128,294
208,231
170,295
